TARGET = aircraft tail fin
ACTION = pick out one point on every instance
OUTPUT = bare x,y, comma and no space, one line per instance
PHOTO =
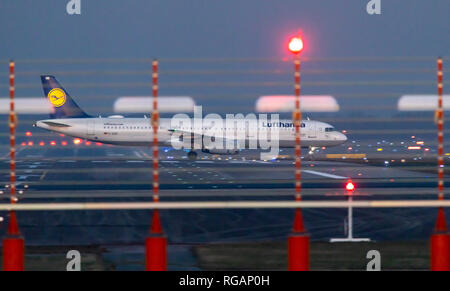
62,104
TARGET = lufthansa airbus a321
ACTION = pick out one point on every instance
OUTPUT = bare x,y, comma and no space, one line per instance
69,119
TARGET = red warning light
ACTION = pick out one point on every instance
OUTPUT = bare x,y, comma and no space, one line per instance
88,143
99,144
23,144
30,143
52,143
296,45
350,186
28,133
64,143
42,144
77,141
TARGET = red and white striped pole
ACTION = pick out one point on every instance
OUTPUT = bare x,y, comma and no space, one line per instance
440,239
13,243
155,124
156,242
297,123
440,121
298,241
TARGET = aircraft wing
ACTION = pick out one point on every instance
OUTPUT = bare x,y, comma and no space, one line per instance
199,135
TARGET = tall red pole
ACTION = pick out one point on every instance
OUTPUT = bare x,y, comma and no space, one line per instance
156,242
298,241
13,243
440,239
440,114
155,124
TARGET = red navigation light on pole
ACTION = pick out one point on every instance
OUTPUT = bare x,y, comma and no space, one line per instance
298,241
350,187
296,45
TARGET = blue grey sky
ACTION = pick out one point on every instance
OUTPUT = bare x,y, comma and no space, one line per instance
213,28
224,29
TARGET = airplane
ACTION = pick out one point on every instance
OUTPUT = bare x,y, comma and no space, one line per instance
69,119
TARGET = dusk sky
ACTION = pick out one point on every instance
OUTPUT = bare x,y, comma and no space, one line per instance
211,28
191,29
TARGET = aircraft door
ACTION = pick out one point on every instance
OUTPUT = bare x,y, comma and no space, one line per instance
313,129
318,130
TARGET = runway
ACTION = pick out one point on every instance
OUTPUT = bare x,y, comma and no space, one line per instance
114,168
66,172
107,173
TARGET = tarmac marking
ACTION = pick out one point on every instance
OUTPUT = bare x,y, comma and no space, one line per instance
34,156
43,175
145,155
114,155
324,174
132,161
101,161
7,154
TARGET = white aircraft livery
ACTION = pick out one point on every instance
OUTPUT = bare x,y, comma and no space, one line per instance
69,119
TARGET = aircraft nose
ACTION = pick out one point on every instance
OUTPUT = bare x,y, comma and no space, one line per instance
342,137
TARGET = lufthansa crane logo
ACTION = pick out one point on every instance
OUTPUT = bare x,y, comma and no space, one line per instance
57,97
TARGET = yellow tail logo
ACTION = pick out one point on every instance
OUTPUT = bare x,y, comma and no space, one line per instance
57,97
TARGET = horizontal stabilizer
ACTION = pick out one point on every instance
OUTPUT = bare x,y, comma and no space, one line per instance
56,124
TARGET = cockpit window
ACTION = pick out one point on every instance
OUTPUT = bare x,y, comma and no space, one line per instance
328,129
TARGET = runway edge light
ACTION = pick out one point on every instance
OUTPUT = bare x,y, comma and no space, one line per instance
349,186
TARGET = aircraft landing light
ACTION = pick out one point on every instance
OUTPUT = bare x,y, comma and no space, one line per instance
414,148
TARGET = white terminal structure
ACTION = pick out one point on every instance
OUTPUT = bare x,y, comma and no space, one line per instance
286,103
144,104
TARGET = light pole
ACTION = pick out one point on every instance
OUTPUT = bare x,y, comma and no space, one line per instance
13,242
156,242
298,241
296,46
350,188
440,238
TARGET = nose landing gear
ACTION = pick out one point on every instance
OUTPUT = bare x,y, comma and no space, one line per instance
192,156
312,150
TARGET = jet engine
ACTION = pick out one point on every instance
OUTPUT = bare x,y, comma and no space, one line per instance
221,151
